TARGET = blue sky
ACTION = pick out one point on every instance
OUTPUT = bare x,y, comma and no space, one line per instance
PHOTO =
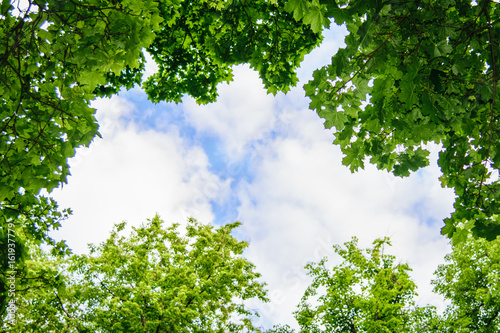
264,160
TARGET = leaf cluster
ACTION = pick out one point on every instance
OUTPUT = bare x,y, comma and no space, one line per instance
53,56
368,292
414,73
470,281
200,41
153,280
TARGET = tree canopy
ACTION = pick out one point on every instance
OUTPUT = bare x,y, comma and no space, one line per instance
414,73
369,292
469,281
156,279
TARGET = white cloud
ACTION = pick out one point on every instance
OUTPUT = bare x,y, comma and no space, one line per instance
130,175
151,66
243,113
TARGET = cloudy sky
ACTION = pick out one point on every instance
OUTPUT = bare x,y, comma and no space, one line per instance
264,160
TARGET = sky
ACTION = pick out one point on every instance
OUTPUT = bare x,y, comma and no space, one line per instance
266,161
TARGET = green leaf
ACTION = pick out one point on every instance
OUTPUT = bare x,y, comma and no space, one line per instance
409,93
442,49
298,7
5,192
5,7
333,118
353,157
67,149
316,19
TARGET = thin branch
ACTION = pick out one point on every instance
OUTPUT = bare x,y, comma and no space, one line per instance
62,306
112,293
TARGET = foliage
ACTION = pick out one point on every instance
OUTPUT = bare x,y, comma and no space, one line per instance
26,231
367,292
470,280
53,56
280,329
413,73
199,41
155,280
35,278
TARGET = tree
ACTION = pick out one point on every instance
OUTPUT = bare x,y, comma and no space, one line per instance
57,56
154,280
53,56
17,238
413,73
37,278
470,281
367,292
